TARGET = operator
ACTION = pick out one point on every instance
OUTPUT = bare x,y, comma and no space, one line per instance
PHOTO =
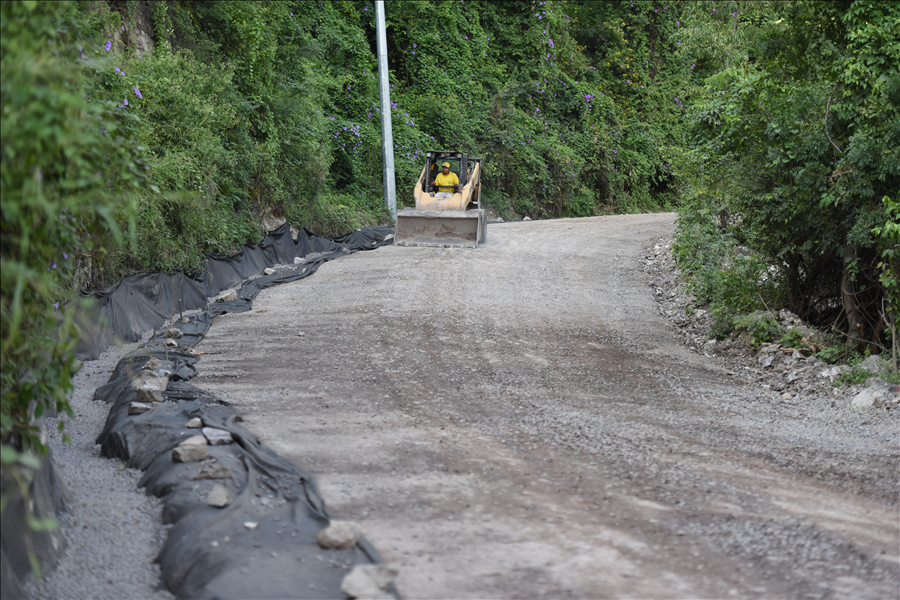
446,183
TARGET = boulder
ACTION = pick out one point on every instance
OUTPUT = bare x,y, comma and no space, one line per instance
268,271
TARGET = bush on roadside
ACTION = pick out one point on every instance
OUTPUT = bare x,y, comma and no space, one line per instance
70,167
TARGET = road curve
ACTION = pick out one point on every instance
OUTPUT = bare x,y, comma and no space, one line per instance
519,421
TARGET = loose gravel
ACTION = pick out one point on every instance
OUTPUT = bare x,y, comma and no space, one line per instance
113,530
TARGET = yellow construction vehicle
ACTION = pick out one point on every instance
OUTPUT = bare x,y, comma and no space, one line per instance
456,220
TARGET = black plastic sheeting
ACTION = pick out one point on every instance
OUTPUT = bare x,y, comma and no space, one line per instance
262,545
209,552
144,301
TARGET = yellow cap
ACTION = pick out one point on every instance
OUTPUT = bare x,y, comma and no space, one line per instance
446,164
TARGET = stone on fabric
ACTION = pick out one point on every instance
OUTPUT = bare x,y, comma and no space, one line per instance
148,395
138,408
368,581
219,496
173,333
212,469
194,423
268,271
217,437
152,364
339,535
193,449
227,296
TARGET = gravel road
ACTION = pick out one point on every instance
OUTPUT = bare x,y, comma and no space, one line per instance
519,421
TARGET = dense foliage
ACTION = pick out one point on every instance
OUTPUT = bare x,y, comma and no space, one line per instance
793,174
69,169
254,109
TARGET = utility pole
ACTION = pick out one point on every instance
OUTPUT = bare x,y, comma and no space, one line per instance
384,93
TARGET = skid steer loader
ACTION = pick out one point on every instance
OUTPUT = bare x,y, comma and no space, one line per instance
457,221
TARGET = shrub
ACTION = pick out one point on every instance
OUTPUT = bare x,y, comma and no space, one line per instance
69,168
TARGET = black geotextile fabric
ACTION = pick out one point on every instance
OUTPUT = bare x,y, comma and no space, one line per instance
128,308
263,544
211,552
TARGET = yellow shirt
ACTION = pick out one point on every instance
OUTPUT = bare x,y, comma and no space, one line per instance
446,183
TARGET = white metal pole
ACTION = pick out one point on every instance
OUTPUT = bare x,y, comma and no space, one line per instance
384,92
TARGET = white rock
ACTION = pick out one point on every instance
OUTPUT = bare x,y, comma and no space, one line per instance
219,496
389,236
171,343
797,355
786,396
339,535
500,220
195,423
300,334
268,271
368,581
138,408
226,296
298,260
527,219
217,437
250,524
877,394
192,449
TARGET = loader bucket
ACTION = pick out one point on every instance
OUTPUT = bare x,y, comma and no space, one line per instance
440,228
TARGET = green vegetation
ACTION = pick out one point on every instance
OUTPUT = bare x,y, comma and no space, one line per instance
794,162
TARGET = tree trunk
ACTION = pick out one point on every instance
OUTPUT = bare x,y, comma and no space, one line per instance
856,324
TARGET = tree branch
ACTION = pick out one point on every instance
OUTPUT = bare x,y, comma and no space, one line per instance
828,108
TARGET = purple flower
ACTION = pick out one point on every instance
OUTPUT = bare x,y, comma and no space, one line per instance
126,101
54,265
118,70
108,45
137,93
65,256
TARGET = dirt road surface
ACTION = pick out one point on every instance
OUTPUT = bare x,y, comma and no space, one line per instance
518,420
